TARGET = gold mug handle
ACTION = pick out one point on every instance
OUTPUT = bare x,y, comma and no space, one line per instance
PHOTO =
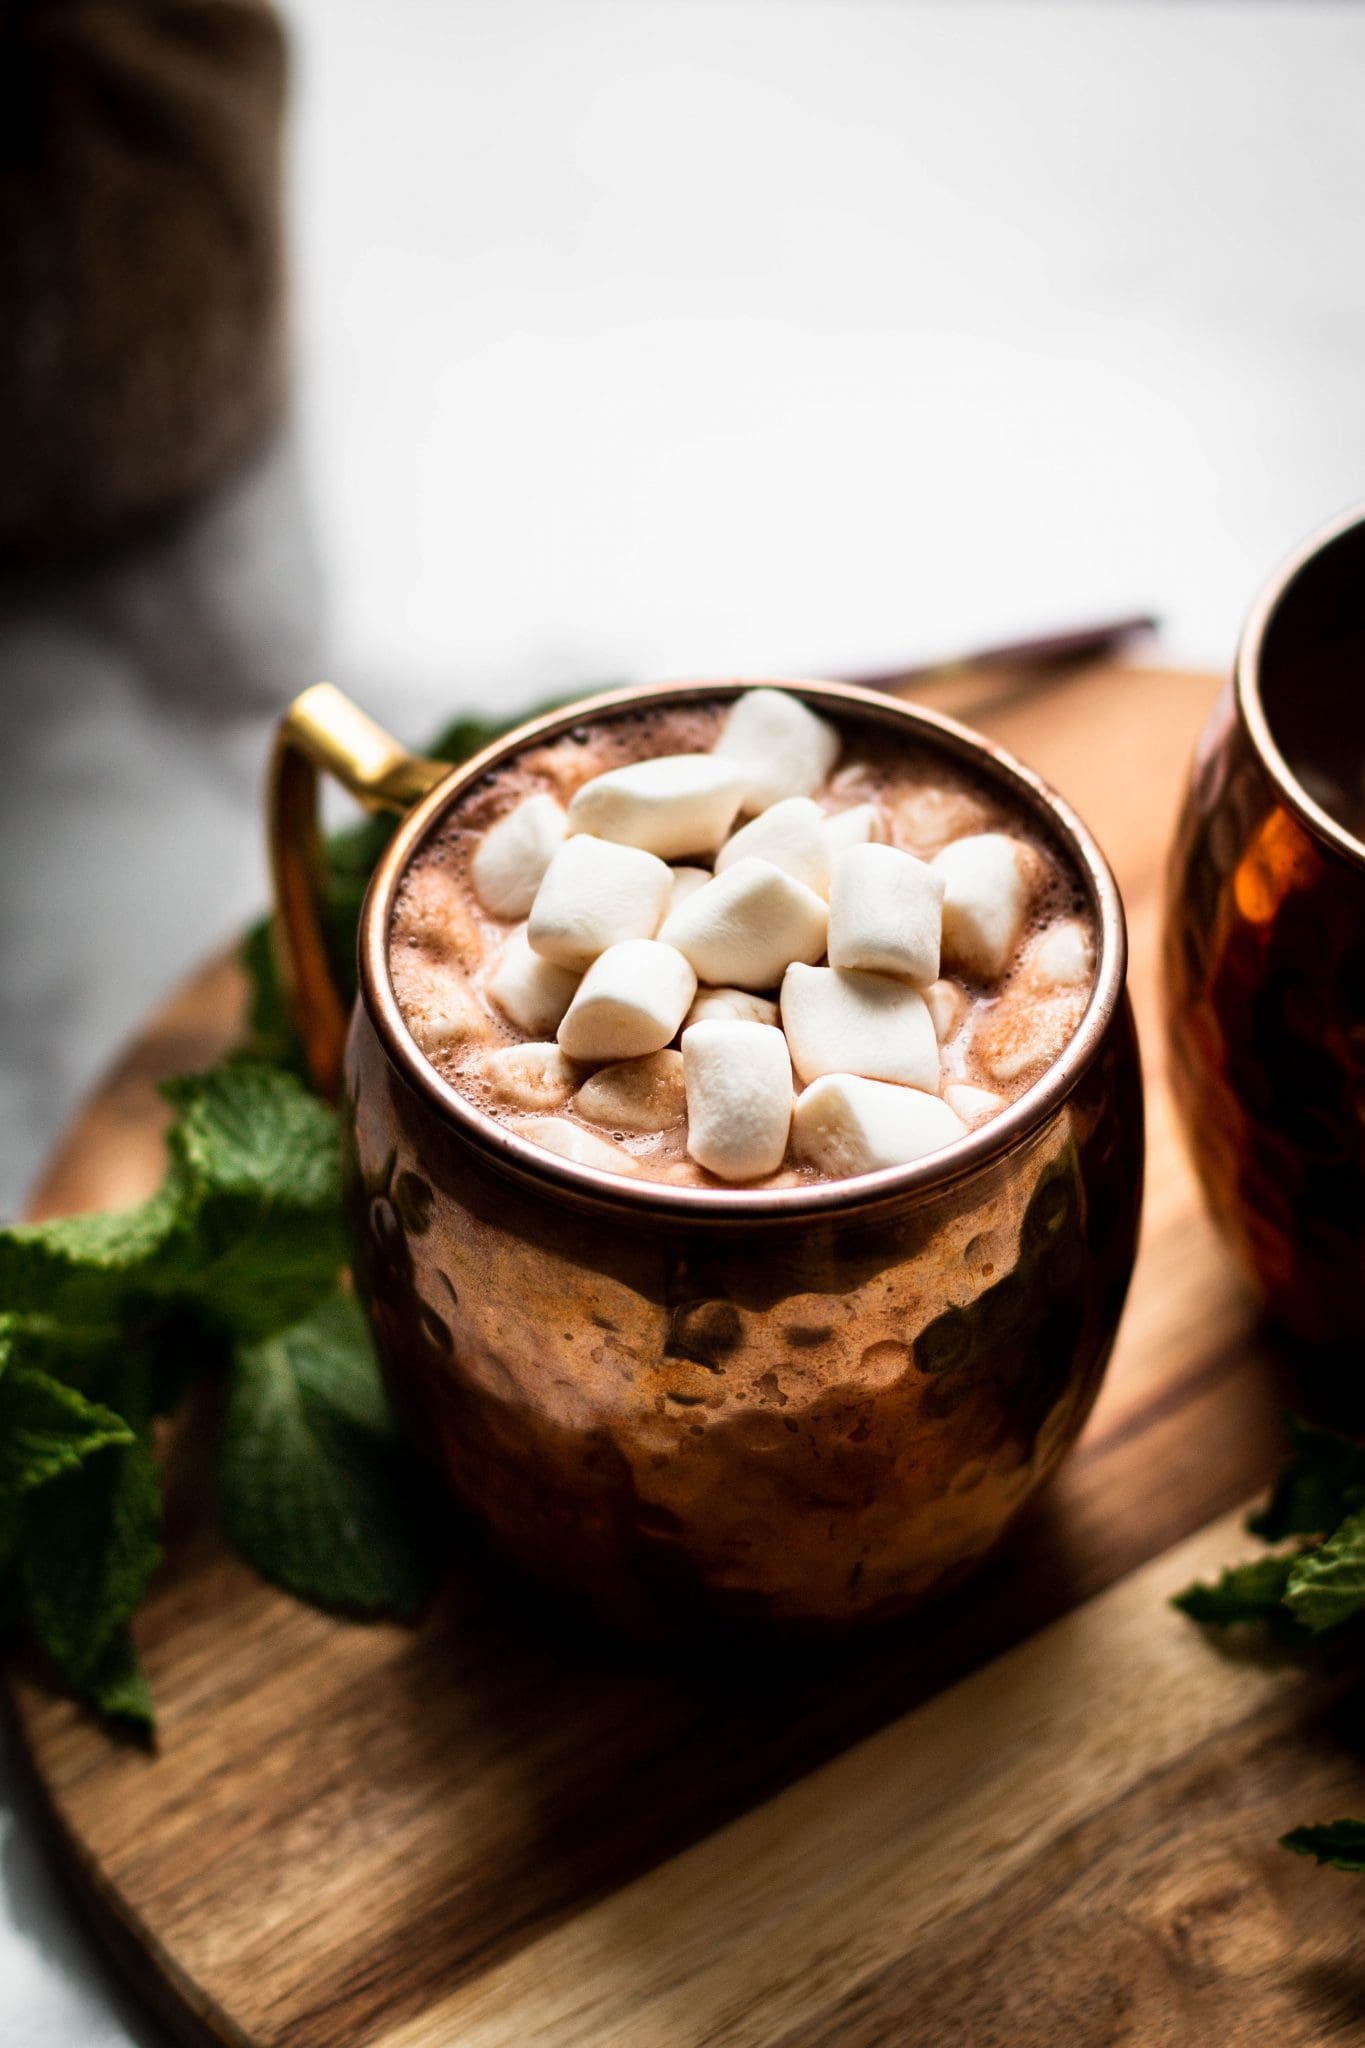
324,729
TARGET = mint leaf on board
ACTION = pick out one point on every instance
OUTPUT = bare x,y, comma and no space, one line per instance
317,1493
236,1258
1327,1585
88,1544
1340,1843
261,1158
103,1320
117,1686
47,1429
1248,1592
1323,1482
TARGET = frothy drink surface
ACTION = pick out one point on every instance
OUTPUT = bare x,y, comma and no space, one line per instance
997,1027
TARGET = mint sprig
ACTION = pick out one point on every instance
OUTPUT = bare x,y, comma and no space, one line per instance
1314,1588
233,1270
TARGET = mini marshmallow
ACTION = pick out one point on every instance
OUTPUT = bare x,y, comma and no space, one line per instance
439,1007
533,992
791,835
593,895
670,805
885,913
1021,1032
928,818
839,1021
973,1105
739,1097
988,880
784,748
557,1134
511,858
747,925
629,1003
738,1004
1061,957
686,882
535,1076
636,1095
947,1003
846,1124
433,911
853,827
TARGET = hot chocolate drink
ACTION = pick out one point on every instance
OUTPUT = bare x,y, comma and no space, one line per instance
737,943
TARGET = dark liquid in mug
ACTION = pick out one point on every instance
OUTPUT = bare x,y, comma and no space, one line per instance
1313,693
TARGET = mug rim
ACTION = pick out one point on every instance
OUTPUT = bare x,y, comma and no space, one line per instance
1247,687
988,1143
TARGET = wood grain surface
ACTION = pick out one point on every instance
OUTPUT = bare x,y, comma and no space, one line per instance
1047,1812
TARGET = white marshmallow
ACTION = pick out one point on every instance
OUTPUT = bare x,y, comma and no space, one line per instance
885,913
670,804
947,1001
535,1076
636,1095
973,1105
747,925
1061,957
629,1003
791,835
433,911
511,858
686,882
845,1124
739,1097
929,817
1019,1032
854,827
839,1021
784,748
988,882
593,895
738,1004
557,1134
438,1006
533,992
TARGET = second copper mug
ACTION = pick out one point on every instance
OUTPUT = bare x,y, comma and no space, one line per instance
1265,945
818,1404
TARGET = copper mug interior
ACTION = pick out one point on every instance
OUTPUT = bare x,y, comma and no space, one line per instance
1265,945
817,1405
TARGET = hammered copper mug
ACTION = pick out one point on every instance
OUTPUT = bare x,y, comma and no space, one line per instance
818,1404
1265,944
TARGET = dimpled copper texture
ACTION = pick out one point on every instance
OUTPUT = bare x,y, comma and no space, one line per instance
691,1405
1265,949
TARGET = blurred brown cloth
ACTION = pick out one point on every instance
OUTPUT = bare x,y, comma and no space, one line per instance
141,257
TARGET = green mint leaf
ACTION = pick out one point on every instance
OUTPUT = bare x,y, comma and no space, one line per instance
1249,1592
47,1429
117,1686
89,1542
1327,1585
316,1492
260,1157
1338,1842
82,1271
1323,1482
247,1131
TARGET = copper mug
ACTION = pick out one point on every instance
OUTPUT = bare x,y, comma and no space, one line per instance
1265,945
819,1404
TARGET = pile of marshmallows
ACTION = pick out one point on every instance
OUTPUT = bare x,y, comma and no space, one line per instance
620,951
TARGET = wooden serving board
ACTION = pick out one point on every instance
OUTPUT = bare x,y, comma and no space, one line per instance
1046,1813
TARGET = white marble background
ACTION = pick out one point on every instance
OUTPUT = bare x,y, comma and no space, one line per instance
641,337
